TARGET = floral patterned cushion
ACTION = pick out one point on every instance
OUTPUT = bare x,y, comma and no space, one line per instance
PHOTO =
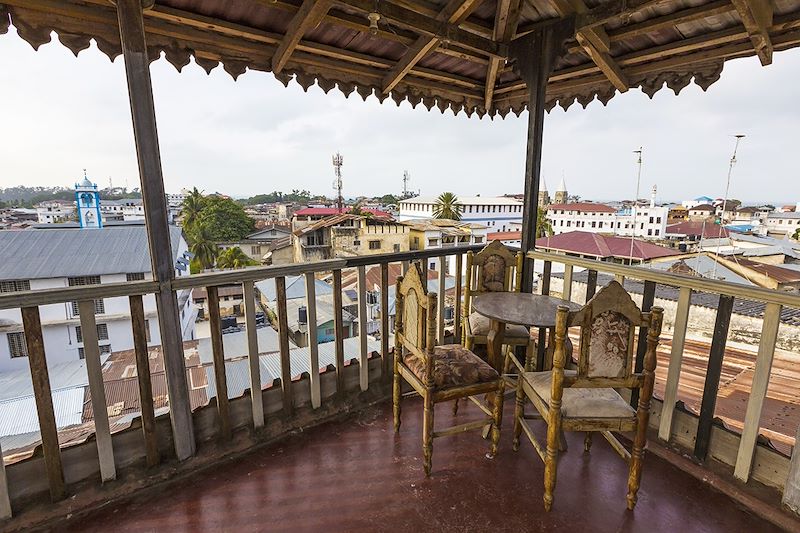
479,325
454,365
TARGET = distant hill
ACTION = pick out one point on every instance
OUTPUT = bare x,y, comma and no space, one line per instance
22,196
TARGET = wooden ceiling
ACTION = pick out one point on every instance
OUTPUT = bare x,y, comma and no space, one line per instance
445,54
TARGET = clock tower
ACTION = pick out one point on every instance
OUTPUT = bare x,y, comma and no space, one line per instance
87,200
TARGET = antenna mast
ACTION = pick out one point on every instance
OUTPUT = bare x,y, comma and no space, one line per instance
338,161
406,179
636,201
739,138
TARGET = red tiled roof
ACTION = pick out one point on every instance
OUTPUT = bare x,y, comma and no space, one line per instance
597,245
587,207
709,230
703,207
504,236
327,211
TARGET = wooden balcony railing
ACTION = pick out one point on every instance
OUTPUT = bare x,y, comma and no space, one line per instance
700,433
18,481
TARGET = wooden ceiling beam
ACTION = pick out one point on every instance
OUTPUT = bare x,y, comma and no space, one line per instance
505,26
307,17
472,24
453,13
756,16
595,42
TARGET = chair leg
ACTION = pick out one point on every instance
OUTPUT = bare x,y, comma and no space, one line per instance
551,459
562,441
455,407
396,396
530,353
427,434
587,442
519,413
497,416
635,473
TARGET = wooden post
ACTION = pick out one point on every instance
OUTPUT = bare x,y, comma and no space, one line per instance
40,380
363,370
591,284
758,391
713,373
283,340
457,310
387,363
97,391
140,92
548,271
5,501
675,362
338,326
535,55
139,324
648,297
441,302
256,399
313,341
218,353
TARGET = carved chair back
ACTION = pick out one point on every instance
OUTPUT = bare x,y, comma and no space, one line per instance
415,315
493,269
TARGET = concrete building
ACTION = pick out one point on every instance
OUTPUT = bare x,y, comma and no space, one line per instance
561,196
257,244
133,210
496,213
544,196
702,211
782,223
348,235
443,233
55,212
700,200
583,216
56,257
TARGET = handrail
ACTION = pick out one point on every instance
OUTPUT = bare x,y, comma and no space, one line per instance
678,280
35,298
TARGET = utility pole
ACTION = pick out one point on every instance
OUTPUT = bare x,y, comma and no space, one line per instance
739,138
406,179
338,161
636,201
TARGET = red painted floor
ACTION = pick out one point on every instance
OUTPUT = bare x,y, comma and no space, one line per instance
356,475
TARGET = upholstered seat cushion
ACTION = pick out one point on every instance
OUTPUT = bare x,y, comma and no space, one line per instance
454,365
479,325
581,403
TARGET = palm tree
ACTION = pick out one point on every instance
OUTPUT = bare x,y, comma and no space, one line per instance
234,258
543,226
203,248
191,208
447,206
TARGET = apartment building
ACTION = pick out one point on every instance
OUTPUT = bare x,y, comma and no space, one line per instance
496,213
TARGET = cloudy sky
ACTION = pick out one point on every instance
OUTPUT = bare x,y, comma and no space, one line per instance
62,114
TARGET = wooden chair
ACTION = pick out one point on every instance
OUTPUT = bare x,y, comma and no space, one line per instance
437,373
493,269
585,399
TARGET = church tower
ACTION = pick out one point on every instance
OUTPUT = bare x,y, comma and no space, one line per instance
544,196
561,193
87,200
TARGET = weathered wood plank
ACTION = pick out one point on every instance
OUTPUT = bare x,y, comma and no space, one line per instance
283,341
338,326
758,391
566,292
387,362
140,92
362,327
313,340
506,21
756,17
138,326
648,297
591,284
40,380
459,290
441,301
546,274
713,373
256,399
97,392
309,15
218,352
675,362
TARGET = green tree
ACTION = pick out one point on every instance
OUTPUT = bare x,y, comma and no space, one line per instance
447,206
234,258
203,247
543,226
796,235
192,206
224,220
389,199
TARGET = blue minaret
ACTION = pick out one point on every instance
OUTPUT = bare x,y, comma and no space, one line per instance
87,199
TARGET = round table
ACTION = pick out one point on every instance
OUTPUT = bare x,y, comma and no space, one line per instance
532,310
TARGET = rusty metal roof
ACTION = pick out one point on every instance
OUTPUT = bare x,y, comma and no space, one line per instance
652,43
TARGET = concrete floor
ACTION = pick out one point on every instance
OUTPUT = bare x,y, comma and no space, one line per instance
356,475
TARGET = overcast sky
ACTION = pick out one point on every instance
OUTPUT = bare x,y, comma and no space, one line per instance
62,114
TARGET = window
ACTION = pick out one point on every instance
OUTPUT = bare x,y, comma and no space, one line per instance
255,250
658,220
83,280
650,232
99,308
104,349
478,239
433,242
135,276
657,232
102,333
651,220
16,344
374,245
15,285
396,248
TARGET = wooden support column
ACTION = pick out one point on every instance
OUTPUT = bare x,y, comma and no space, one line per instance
459,290
566,290
546,274
140,92
42,394
363,370
139,325
441,302
387,363
648,297
283,340
591,284
218,353
256,399
313,340
713,374
535,56
338,329
675,362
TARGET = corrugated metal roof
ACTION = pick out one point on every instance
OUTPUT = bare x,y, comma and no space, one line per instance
705,267
18,416
235,344
59,253
295,288
17,383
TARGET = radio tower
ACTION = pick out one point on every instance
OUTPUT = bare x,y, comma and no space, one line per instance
338,161
406,179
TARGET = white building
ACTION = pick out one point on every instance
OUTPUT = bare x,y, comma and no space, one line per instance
133,210
442,233
55,211
782,223
496,213
700,200
648,222
37,259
